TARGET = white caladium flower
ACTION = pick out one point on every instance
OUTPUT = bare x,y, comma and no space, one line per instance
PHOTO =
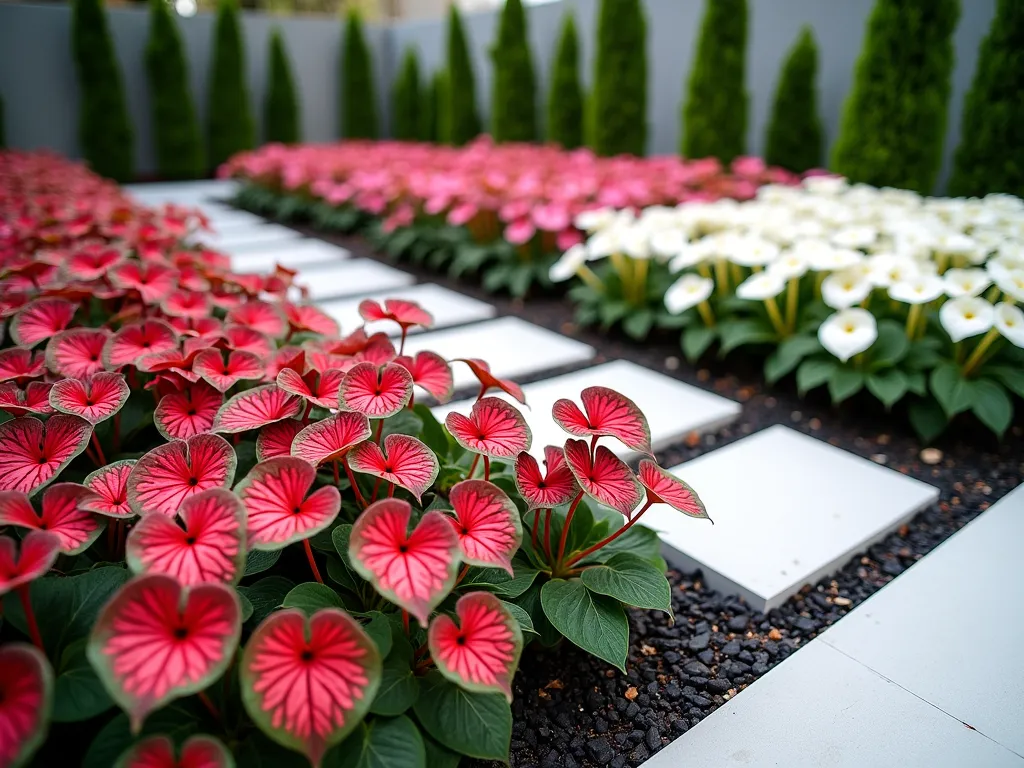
856,236
761,286
568,264
965,317
687,292
826,185
918,290
691,255
1009,321
848,332
594,220
1010,282
885,269
789,265
845,289
668,243
636,242
966,282
752,251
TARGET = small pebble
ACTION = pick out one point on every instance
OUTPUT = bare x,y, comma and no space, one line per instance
879,458
931,456
671,363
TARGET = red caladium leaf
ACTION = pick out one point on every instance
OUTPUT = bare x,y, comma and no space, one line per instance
376,392
153,281
321,389
188,412
279,512
147,337
185,303
416,570
26,700
92,262
243,339
39,550
481,652
284,358
156,641
487,524
308,682
41,319
482,371
32,453
405,462
110,484
665,488
224,374
260,316
378,350
606,479
169,474
256,408
276,439
95,398
77,353
34,399
209,546
64,513
607,413
494,428
20,365
405,313
158,752
306,317
431,372
331,438
555,487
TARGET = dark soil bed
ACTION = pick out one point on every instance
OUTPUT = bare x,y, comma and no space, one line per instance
571,710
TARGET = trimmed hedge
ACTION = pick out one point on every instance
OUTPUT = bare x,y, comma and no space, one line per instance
565,99
230,127
405,99
460,120
513,100
619,96
795,137
281,120
358,95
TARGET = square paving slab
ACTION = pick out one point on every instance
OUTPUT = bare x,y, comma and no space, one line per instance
511,346
949,629
673,409
295,254
199,190
822,708
447,307
350,277
255,236
788,510
224,220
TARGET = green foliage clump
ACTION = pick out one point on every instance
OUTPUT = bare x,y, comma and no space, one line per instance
795,137
281,120
176,132
513,102
230,126
432,109
990,157
405,99
565,99
104,129
715,115
619,98
894,120
358,95
460,120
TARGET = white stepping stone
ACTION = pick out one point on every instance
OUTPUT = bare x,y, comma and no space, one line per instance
447,307
673,409
822,708
298,254
788,510
175,190
511,346
256,236
349,277
949,629
224,220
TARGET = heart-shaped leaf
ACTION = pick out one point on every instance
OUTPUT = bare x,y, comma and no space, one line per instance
40,319
430,372
306,317
64,513
148,337
493,428
260,316
405,313
332,438
256,408
606,479
198,751
33,454
596,623
39,550
188,412
275,439
488,380
95,398
26,699
607,413
318,388
376,392
222,371
169,474
77,353
34,399
487,524
21,364
665,488
110,484
557,486
406,462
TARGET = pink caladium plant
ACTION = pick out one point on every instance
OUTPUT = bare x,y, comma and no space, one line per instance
241,525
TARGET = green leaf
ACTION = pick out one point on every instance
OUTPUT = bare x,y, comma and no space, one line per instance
245,452
340,537
399,687
259,560
632,580
1011,378
496,277
433,433
739,333
438,756
529,601
844,383
247,609
520,280
917,383
927,418
613,311
889,386
890,347
498,581
402,423
595,623
696,340
311,597
991,405
266,595
814,372
473,724
380,631
637,323
950,388
789,354
340,574
520,615
638,540
78,693
381,743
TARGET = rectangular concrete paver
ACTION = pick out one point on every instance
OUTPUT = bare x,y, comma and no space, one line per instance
292,254
447,307
348,278
257,236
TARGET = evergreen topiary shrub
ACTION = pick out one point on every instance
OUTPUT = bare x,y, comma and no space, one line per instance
620,79
358,95
176,133
565,99
230,127
405,99
104,129
460,119
513,102
795,139
990,157
894,120
281,121
715,114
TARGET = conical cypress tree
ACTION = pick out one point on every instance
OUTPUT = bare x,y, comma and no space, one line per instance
281,107
230,126
990,157
176,132
795,139
894,120
432,110
405,99
565,99
460,120
715,115
358,95
513,102
104,130
620,79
